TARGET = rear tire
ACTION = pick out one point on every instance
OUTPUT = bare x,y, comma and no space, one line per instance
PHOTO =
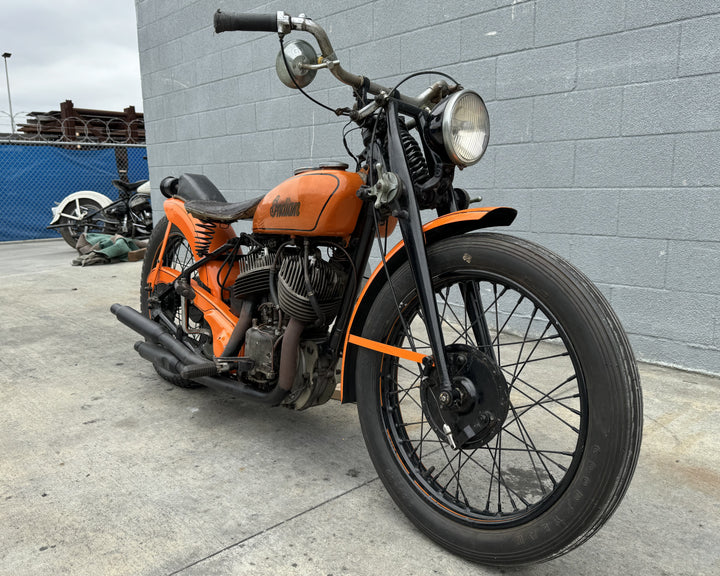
77,209
178,255
562,456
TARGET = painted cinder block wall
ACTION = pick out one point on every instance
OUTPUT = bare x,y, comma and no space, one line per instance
605,128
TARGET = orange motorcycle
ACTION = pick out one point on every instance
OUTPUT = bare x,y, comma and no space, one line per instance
497,392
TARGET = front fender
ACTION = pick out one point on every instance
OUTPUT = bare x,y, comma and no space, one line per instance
101,199
453,224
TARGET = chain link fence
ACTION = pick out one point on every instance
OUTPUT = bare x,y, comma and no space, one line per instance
38,169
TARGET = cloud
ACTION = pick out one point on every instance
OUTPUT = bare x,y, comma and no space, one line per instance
80,50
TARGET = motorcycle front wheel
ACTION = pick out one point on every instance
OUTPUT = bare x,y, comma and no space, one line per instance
546,428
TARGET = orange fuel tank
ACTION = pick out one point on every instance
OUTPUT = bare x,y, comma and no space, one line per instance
318,202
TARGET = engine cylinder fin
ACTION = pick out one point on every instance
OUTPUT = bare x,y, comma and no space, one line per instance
293,294
254,276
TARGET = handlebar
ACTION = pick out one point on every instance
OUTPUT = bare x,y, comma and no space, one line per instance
283,23
232,21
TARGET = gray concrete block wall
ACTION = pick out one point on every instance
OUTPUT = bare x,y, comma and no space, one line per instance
605,128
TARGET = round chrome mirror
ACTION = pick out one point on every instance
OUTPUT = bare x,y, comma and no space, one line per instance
297,53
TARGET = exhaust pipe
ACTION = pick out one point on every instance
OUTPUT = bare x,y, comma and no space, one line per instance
158,355
156,334
172,355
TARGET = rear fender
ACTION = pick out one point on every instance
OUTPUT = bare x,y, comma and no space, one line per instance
453,224
100,199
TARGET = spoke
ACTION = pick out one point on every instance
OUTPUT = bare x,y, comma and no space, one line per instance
496,455
527,359
422,436
557,401
538,450
492,476
436,440
413,423
417,344
497,297
484,468
408,370
456,477
403,393
544,407
455,474
411,374
530,451
406,394
497,320
414,386
417,450
458,487
522,347
561,355
512,313
529,340
527,440
498,328
548,394
450,324
452,311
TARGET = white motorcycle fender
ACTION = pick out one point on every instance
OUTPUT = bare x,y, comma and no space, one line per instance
144,189
100,199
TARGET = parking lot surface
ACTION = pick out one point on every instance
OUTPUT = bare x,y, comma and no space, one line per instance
107,469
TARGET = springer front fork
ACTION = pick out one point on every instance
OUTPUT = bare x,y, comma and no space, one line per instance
412,232
411,228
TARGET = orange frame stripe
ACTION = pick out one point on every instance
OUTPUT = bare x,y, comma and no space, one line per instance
387,349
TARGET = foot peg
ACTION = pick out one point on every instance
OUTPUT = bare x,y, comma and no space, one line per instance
198,370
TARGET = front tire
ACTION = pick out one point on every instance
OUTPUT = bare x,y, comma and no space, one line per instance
558,379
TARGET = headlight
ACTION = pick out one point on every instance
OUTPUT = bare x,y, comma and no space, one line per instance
465,127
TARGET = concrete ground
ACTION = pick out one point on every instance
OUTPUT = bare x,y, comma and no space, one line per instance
107,469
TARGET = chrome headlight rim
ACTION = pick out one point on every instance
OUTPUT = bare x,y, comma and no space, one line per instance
449,108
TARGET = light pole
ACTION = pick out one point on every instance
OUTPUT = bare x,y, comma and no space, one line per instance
7,55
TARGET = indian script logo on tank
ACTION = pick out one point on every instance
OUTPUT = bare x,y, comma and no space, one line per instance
284,208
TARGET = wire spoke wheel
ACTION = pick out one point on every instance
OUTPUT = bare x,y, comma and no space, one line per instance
74,223
506,474
525,464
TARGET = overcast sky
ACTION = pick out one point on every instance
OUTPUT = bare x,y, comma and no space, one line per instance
80,50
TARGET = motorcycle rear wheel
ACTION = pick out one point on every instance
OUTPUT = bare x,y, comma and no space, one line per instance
559,458
71,213
179,256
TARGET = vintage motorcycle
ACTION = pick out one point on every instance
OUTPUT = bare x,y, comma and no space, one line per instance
89,211
497,392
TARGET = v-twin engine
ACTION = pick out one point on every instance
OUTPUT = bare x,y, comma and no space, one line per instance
283,340
308,289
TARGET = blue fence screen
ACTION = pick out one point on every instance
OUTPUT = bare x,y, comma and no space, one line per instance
34,178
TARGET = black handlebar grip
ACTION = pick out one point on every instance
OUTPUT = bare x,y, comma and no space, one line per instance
230,21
